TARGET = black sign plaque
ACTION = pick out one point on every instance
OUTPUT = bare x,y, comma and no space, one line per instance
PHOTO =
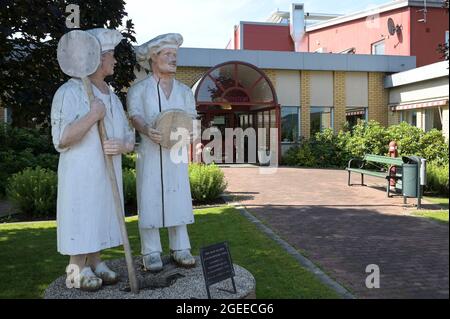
217,265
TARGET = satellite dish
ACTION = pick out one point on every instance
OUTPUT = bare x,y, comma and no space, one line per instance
391,26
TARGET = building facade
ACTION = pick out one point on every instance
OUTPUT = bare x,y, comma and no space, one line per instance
298,94
402,27
420,97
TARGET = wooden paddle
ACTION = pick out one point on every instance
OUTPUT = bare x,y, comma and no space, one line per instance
79,56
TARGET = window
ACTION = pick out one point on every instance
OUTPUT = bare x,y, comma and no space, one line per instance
378,48
433,119
289,123
446,43
354,115
321,118
409,117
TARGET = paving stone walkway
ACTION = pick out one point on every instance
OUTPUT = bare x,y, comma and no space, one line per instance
344,229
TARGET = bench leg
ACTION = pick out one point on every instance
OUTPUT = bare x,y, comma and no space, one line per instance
362,180
349,178
388,188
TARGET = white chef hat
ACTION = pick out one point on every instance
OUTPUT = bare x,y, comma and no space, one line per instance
108,38
163,41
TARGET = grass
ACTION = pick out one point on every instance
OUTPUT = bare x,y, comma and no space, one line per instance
440,215
29,261
441,201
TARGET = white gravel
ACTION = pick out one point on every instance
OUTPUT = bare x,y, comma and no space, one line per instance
186,284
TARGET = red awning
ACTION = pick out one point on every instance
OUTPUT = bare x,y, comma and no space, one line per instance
400,107
355,113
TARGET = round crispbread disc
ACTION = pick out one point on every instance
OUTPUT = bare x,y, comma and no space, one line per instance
170,121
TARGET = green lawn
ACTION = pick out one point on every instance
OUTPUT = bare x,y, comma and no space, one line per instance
440,215
437,215
441,201
29,261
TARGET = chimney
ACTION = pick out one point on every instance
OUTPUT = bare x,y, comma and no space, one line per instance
297,24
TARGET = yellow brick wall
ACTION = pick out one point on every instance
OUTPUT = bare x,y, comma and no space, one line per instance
190,75
378,98
305,100
393,117
339,100
271,74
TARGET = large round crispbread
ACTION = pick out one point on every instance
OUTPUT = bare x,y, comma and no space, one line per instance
173,120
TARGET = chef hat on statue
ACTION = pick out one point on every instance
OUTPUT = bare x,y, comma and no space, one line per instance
163,41
108,38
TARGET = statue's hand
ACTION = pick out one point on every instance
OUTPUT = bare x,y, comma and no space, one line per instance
154,135
114,147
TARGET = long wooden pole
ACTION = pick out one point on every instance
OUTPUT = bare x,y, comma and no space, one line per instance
117,201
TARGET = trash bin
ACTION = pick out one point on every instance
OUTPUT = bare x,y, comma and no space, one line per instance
413,177
409,183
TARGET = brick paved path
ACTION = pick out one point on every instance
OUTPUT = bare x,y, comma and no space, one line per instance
343,229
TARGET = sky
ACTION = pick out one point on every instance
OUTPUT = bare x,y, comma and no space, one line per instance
210,23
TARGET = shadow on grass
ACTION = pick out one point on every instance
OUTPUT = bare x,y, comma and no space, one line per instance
29,261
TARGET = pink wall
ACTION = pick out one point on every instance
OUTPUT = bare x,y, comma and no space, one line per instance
362,33
267,37
427,36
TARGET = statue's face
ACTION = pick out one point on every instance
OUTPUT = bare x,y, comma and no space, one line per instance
108,62
165,61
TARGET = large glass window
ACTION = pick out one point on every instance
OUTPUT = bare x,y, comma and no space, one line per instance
432,119
409,116
289,123
320,119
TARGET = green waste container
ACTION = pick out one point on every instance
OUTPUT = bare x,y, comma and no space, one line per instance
409,183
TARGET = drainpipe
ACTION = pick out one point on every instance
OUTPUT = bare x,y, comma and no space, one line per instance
297,24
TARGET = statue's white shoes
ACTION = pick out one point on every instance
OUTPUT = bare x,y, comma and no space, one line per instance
152,262
183,258
88,280
108,276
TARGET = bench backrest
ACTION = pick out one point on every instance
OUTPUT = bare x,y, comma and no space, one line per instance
383,159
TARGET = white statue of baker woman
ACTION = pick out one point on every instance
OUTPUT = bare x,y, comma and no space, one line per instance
86,221
163,190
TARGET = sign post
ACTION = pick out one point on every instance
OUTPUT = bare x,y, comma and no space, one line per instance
217,265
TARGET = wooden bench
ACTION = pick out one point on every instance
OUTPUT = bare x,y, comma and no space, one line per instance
360,166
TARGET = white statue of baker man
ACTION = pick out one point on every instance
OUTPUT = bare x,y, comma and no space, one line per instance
86,221
164,199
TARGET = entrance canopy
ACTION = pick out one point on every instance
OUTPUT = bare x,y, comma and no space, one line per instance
235,83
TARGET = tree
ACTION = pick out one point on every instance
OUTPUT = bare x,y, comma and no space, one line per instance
29,35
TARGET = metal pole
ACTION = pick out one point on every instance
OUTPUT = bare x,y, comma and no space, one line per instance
161,164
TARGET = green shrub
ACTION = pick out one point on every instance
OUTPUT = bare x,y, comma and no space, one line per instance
437,179
207,182
21,148
408,138
33,191
18,139
434,147
13,162
129,186
368,138
290,157
129,160
327,149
